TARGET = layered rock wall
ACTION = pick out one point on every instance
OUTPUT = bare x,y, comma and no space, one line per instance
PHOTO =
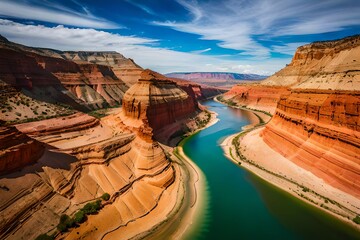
320,131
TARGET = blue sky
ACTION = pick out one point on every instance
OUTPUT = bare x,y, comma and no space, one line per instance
244,36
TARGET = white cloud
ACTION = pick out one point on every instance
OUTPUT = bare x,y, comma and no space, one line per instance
141,50
239,24
55,14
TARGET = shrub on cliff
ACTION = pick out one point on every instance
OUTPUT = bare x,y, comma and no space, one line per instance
105,196
79,216
357,219
65,223
92,207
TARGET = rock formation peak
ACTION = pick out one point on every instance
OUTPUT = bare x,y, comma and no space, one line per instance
148,74
155,101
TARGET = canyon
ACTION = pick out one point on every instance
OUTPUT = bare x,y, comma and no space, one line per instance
87,128
56,159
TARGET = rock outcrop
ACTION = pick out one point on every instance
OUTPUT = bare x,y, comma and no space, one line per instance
17,150
155,102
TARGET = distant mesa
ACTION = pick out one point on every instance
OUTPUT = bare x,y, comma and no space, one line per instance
216,79
215,75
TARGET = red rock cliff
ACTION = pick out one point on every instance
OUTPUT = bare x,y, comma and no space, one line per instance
17,150
318,127
157,101
320,131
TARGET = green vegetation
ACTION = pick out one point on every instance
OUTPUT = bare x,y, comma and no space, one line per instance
357,219
67,222
202,122
100,113
105,196
79,216
93,207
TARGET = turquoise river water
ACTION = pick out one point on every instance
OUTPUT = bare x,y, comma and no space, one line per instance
242,206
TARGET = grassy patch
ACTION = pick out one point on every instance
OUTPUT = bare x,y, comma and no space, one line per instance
356,219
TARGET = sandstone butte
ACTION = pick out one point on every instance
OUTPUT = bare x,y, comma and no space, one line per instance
316,105
55,166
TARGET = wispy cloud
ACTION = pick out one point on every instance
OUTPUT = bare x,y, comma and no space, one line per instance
201,51
142,50
54,13
239,25
141,6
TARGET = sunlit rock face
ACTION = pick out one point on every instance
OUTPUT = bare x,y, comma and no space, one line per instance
317,124
156,101
322,65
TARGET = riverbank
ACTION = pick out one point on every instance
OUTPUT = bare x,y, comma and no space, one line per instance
191,219
249,150
259,116
185,221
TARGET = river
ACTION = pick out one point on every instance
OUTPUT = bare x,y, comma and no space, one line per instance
243,206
